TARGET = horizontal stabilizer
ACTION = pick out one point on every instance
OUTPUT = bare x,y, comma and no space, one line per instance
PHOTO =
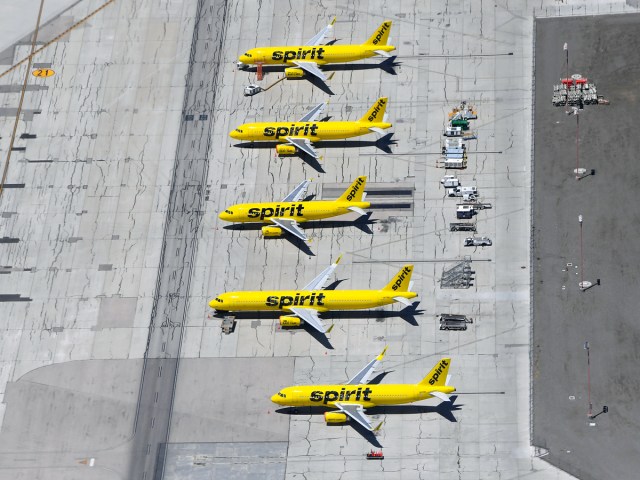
377,130
382,53
402,300
442,396
357,210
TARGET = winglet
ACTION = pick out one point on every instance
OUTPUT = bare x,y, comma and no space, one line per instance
338,259
378,427
330,328
381,356
333,21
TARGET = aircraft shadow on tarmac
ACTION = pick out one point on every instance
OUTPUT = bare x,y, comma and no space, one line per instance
388,66
363,223
444,409
383,143
408,314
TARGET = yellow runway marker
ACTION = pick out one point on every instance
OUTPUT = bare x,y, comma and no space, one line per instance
43,72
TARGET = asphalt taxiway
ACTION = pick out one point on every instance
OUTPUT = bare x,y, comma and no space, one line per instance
604,50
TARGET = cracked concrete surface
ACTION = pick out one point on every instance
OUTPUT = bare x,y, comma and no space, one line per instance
97,187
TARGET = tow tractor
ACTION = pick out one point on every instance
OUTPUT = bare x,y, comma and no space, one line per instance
375,455
251,89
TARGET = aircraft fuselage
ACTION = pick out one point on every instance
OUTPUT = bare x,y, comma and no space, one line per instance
369,395
298,211
322,54
314,131
320,300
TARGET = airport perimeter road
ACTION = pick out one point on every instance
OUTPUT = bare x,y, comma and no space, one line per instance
184,214
606,50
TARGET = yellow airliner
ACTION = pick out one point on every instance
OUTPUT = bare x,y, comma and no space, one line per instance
352,398
295,136
286,214
306,58
307,303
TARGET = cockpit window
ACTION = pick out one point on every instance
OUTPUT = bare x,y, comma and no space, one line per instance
247,54
280,394
229,212
219,300
238,130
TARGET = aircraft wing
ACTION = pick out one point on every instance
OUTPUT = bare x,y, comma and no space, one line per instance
290,226
319,37
315,112
304,145
319,282
298,192
356,412
364,375
313,69
310,316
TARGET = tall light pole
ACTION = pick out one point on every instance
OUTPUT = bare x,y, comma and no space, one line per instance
590,411
566,51
581,255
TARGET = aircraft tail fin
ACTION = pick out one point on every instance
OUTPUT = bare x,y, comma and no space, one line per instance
355,191
376,112
400,283
438,375
381,35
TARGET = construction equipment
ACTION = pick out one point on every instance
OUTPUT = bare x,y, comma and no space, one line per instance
463,111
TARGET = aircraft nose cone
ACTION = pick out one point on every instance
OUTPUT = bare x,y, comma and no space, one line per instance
234,134
275,399
213,304
223,216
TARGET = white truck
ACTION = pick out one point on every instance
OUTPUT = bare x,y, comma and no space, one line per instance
467,193
477,242
457,163
450,181
465,211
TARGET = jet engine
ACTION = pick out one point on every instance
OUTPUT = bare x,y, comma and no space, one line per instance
271,232
287,321
284,150
293,72
335,417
